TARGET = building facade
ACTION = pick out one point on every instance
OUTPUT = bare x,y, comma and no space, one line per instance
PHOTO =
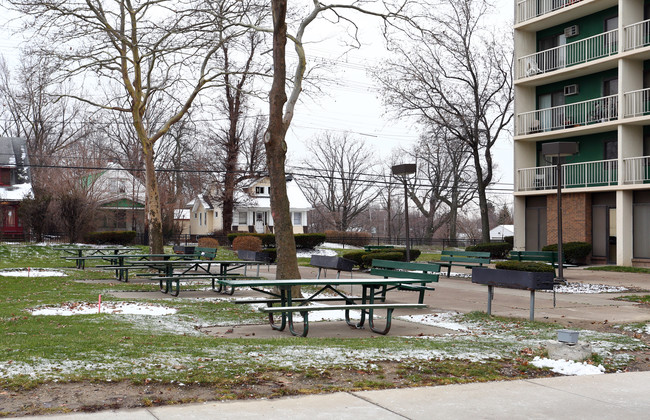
15,184
582,74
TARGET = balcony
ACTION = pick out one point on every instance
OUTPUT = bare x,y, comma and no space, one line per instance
588,49
600,173
637,103
636,170
637,35
575,175
561,117
529,9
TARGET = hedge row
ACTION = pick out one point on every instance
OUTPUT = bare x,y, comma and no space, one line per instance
112,237
364,258
348,238
574,252
537,267
303,240
498,250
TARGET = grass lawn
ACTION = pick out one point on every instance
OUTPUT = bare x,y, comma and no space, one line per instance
174,349
619,269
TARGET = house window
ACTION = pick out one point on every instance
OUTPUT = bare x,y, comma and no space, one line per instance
611,149
122,186
200,219
10,217
243,218
120,219
216,214
297,218
259,190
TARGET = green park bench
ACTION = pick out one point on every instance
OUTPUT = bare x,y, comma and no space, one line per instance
539,256
467,259
428,273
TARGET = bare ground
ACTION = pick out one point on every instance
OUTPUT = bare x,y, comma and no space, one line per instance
51,398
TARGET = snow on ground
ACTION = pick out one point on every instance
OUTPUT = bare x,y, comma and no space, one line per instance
584,288
338,246
34,272
318,251
442,320
85,308
568,367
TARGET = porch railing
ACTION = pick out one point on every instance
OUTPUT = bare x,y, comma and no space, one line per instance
637,103
528,9
588,49
636,170
583,174
567,116
637,35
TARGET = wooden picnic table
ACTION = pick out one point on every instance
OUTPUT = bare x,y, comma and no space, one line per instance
94,253
280,293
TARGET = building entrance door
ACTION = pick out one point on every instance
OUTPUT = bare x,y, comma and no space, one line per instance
260,221
604,232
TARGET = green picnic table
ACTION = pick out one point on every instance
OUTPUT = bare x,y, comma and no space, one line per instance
280,293
94,253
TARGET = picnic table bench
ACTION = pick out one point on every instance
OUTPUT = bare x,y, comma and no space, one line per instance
286,308
467,259
167,282
427,273
540,256
94,253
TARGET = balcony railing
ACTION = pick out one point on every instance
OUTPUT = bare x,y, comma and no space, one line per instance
588,49
636,170
637,35
575,175
567,116
637,103
529,9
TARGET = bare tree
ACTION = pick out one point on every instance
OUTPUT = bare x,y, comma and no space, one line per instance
342,181
445,181
455,73
282,107
151,49
31,110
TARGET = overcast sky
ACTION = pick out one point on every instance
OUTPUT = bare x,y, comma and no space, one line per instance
351,104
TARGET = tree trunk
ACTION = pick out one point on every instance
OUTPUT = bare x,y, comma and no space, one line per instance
154,212
482,204
276,150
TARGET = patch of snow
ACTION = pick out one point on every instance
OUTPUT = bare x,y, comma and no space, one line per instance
587,288
338,246
307,253
85,308
16,192
32,273
442,320
568,367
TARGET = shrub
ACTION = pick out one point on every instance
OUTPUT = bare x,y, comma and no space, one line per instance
273,254
510,240
348,238
208,242
268,239
537,267
247,243
309,240
391,256
496,249
356,256
574,252
125,237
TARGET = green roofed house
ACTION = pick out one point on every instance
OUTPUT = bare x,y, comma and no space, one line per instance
121,199
582,75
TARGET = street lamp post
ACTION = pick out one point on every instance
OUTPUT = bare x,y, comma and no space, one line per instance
559,150
402,171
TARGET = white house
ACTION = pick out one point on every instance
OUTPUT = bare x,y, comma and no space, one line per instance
501,231
252,212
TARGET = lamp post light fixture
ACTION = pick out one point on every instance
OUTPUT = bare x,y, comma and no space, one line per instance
403,171
559,150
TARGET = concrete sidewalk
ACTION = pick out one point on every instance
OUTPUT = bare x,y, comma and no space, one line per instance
612,396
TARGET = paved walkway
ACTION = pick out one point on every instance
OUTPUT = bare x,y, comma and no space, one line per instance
613,396
584,397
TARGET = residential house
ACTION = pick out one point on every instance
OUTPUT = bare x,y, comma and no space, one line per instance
15,184
121,199
252,211
499,232
582,74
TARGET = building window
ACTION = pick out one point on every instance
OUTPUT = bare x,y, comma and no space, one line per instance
611,149
259,190
243,218
5,176
121,219
200,219
297,218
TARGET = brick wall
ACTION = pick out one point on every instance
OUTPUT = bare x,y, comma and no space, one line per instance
576,218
